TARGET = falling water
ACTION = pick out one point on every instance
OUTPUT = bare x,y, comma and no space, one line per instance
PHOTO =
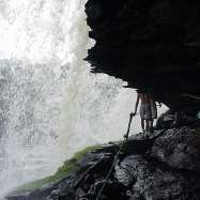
51,105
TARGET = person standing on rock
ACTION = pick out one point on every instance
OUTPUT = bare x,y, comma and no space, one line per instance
148,110
153,108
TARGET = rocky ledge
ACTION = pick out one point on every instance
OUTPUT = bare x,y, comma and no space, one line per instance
150,44
164,166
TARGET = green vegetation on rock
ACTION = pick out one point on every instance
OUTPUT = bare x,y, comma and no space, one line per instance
68,166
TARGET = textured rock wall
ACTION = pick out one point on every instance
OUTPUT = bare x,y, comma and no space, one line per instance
151,44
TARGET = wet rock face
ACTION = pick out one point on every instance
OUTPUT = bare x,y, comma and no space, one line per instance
169,170
179,148
151,44
150,182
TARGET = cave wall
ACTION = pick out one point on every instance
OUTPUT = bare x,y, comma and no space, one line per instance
151,44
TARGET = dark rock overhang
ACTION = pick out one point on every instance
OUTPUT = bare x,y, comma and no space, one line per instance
150,44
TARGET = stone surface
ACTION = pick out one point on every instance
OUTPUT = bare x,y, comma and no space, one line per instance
152,180
150,44
179,148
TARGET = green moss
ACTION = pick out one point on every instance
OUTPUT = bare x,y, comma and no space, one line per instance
68,166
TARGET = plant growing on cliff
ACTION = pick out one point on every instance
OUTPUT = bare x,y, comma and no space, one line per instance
68,166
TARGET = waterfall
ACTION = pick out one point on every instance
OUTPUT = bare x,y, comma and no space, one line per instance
51,105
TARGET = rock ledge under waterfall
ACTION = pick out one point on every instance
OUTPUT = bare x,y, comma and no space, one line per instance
164,166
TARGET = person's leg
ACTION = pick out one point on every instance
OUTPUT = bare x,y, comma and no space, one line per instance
177,117
147,126
142,125
151,126
153,116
